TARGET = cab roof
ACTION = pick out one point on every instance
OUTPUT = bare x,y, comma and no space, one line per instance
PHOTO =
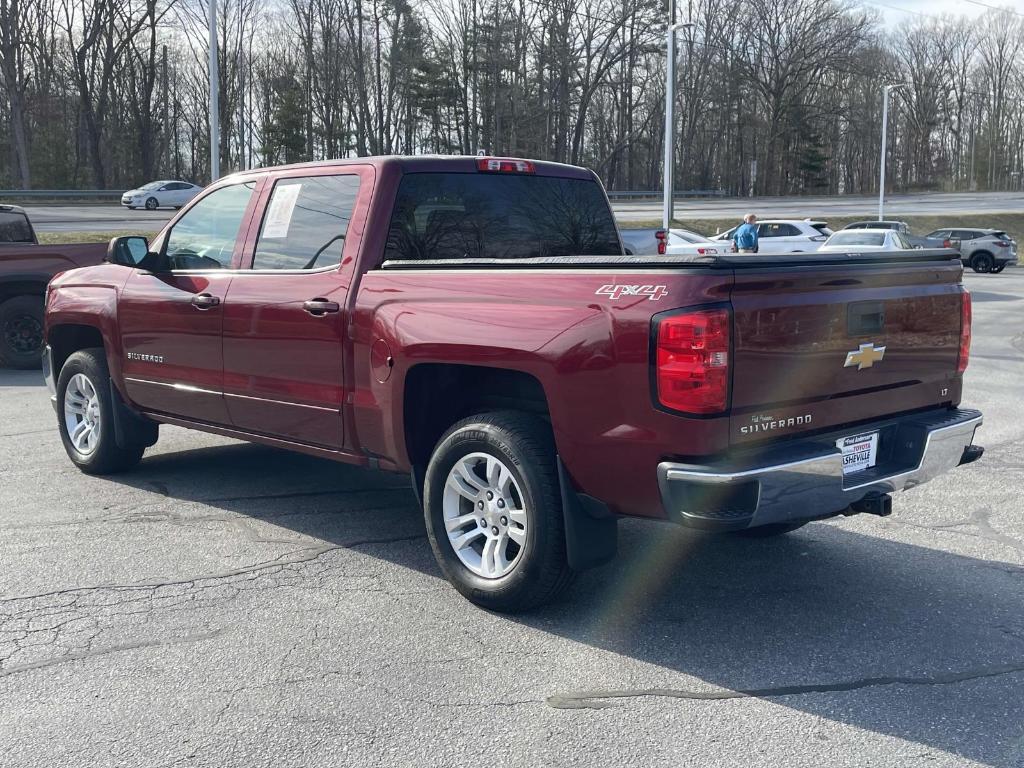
431,164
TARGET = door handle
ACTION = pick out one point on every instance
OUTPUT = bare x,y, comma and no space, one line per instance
321,307
205,301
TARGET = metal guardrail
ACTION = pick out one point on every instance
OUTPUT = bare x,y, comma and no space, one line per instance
63,194
615,194
113,194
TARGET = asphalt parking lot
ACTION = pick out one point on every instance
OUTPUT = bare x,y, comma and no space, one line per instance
232,605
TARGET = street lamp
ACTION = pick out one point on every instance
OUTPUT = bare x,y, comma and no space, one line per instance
214,82
670,81
885,125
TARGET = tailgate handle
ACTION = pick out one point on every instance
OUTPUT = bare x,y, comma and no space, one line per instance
864,317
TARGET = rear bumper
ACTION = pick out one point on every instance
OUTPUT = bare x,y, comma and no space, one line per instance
804,481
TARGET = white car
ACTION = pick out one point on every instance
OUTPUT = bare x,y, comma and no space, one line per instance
785,235
159,194
682,242
645,242
857,240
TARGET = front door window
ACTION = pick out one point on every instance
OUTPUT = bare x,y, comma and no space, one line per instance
204,238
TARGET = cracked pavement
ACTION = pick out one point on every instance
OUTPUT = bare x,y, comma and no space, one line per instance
232,605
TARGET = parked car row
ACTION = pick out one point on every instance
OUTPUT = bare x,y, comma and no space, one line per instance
983,250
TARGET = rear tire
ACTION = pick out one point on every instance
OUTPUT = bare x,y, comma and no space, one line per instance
496,473
769,531
996,270
982,262
85,416
21,332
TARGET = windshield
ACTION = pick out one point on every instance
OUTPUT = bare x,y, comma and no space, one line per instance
153,185
858,238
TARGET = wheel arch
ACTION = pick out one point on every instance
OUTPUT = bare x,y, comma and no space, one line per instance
436,395
67,338
23,286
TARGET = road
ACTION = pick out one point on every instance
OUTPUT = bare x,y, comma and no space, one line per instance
229,605
824,207
92,218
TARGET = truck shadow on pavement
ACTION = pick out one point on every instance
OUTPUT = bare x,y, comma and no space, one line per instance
916,643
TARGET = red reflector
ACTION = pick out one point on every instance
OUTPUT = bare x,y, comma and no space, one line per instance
965,333
662,236
692,365
504,165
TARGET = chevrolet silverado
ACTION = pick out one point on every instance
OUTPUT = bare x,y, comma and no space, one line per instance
474,322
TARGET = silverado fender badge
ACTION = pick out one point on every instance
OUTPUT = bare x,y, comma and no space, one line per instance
865,357
144,357
616,292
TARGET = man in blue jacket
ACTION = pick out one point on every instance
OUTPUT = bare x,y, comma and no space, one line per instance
745,236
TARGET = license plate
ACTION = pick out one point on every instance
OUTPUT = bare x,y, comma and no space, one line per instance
859,452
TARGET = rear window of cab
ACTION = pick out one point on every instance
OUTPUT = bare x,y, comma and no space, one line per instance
14,228
441,216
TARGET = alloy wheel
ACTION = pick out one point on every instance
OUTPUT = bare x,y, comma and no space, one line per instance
485,515
82,415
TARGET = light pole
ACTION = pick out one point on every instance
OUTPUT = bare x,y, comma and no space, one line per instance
885,126
670,98
214,105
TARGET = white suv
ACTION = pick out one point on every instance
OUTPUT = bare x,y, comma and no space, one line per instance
786,235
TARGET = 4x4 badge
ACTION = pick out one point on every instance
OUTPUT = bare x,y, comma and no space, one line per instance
865,357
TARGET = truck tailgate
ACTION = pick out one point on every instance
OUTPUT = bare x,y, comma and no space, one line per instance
823,346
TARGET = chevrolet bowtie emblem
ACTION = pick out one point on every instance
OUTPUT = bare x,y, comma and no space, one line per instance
865,357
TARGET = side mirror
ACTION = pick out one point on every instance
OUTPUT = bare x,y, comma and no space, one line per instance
127,251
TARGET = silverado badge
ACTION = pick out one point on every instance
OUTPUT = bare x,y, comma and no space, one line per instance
865,357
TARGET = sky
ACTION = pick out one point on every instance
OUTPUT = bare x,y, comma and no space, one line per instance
895,11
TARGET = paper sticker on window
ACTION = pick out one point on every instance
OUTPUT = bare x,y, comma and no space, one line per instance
282,204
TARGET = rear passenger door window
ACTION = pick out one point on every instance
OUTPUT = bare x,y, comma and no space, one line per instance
305,223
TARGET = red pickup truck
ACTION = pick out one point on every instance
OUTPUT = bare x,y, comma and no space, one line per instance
25,269
474,322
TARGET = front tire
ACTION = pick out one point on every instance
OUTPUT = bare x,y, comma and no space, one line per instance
152,204
982,262
493,511
21,332
85,416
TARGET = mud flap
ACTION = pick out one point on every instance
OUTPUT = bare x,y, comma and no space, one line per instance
591,530
131,429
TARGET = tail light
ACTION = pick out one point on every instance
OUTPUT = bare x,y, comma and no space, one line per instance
692,361
662,236
947,243
965,333
1002,243
504,165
